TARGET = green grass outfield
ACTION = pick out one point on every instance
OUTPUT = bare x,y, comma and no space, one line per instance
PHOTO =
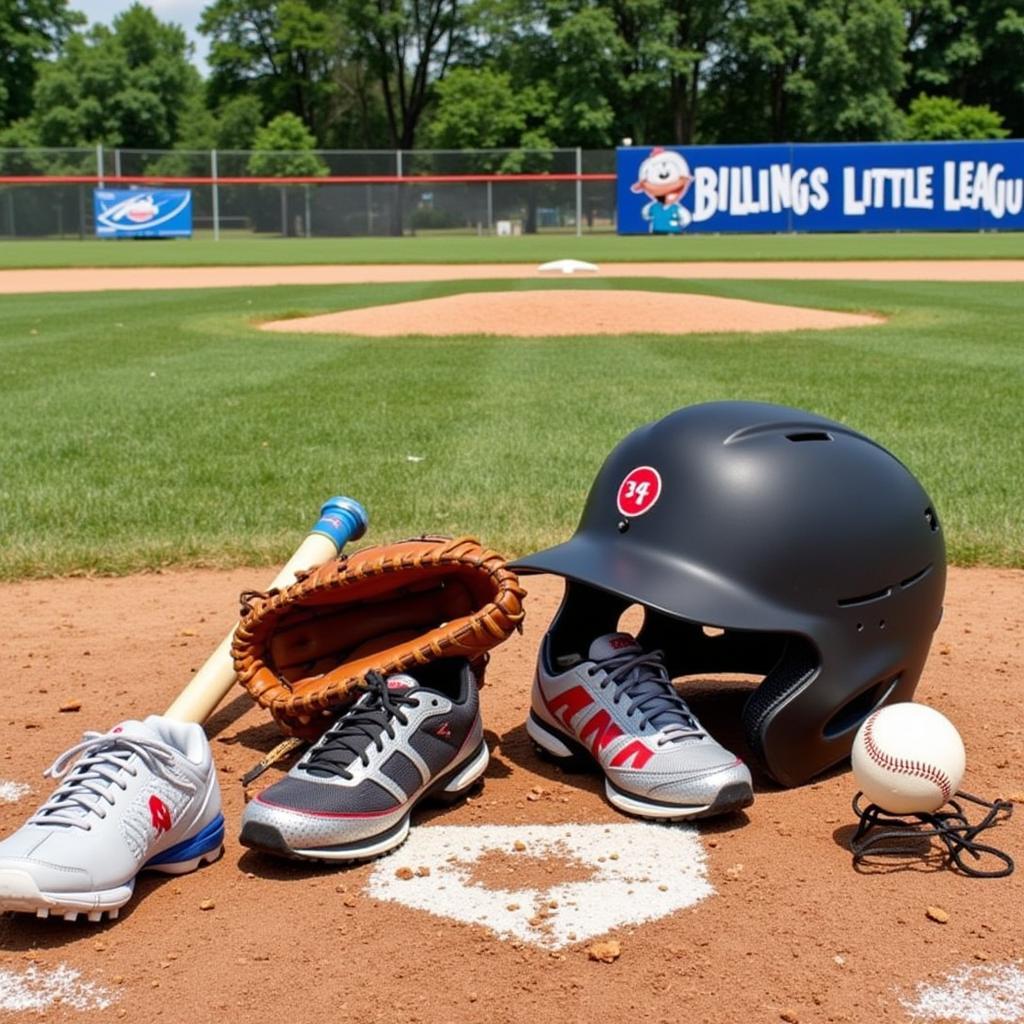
154,429
254,250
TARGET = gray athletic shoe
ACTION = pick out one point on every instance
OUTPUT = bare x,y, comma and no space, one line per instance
618,708
352,794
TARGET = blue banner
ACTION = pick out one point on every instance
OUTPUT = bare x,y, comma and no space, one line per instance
138,213
880,186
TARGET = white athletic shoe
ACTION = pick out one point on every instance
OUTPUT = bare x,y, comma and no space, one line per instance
142,796
617,709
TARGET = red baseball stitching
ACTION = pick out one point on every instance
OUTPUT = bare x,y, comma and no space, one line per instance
898,764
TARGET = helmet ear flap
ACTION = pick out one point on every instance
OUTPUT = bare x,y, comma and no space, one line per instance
585,613
786,706
796,667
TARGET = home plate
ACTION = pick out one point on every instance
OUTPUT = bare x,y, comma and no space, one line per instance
506,877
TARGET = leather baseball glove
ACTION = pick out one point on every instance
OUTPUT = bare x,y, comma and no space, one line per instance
302,652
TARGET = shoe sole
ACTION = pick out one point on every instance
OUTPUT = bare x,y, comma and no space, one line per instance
571,755
20,894
449,788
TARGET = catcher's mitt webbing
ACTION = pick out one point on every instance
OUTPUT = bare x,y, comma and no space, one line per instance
303,651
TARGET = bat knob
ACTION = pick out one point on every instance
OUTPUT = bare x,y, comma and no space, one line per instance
342,519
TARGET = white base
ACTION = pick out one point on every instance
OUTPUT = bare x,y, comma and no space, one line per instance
569,266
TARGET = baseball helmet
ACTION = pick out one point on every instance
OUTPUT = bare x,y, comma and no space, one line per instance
765,540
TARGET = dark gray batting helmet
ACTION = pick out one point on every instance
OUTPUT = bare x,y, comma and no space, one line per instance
814,549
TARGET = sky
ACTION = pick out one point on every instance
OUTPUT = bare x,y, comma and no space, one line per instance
182,12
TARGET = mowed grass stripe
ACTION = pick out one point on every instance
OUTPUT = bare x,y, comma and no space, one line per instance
254,250
152,429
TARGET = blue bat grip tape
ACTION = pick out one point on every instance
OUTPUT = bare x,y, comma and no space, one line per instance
342,519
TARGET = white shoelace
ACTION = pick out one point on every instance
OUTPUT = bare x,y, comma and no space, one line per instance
90,785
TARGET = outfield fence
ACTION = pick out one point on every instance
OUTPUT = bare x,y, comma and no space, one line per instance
784,187
49,192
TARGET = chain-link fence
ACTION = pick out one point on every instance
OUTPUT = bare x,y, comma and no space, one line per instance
48,193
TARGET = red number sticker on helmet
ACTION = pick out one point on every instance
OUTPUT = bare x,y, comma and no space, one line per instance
639,491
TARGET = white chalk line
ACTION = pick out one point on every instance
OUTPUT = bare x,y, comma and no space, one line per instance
12,792
974,994
640,872
37,989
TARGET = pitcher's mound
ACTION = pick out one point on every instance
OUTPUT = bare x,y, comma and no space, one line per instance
534,314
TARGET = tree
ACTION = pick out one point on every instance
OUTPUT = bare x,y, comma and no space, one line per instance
19,152
480,108
940,117
285,149
854,70
809,70
127,85
238,121
408,46
286,54
30,31
669,44
971,52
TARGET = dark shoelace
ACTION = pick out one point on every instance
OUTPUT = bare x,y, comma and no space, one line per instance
644,681
886,835
365,723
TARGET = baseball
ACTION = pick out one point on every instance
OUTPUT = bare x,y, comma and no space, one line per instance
908,759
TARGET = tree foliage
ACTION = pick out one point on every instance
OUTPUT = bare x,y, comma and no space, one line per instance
523,76
801,71
972,52
284,148
407,46
941,117
285,53
30,31
126,85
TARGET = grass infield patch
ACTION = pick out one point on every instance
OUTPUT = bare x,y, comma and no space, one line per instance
153,429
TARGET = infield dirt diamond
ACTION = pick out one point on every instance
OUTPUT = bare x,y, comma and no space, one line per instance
632,873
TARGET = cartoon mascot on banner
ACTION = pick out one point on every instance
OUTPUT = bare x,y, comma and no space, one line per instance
664,178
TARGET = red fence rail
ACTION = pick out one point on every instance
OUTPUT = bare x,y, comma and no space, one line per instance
347,179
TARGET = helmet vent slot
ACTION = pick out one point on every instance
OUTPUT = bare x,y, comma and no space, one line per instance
851,602
810,435
932,519
917,576
853,712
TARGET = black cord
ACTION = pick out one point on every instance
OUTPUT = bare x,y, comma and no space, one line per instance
881,833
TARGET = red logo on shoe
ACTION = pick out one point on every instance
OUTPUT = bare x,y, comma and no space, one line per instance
619,643
639,491
444,730
569,704
635,752
161,815
603,730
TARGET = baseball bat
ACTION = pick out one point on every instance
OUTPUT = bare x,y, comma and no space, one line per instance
341,520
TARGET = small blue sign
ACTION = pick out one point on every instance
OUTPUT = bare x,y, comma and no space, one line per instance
140,213
882,186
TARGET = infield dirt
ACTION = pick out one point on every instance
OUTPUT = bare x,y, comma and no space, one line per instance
87,279
792,931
